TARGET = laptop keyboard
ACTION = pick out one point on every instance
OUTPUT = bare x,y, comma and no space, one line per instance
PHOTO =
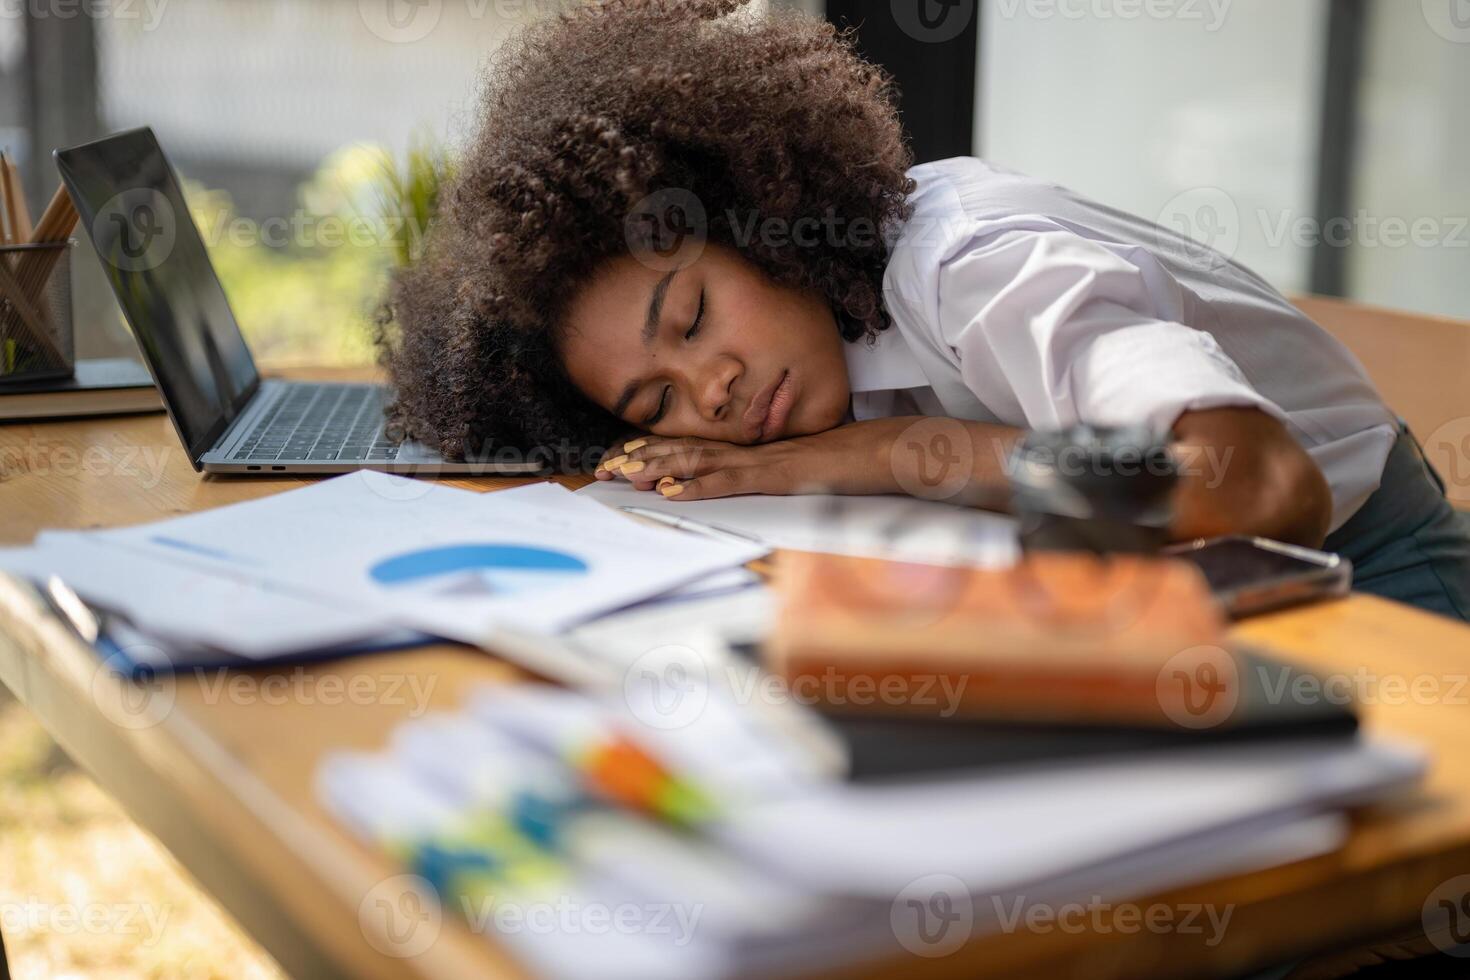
321,422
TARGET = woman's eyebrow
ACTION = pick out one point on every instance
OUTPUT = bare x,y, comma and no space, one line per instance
656,307
650,331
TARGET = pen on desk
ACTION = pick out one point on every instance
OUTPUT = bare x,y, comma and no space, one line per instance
88,624
693,526
73,611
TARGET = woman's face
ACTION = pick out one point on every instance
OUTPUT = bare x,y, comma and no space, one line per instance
712,350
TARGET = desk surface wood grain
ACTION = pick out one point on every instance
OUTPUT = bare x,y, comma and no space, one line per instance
224,777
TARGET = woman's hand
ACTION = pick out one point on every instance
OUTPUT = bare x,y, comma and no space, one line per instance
617,454
850,459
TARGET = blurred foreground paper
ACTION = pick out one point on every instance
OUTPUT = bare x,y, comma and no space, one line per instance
903,528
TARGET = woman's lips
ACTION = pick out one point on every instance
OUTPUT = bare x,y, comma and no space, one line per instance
762,410
779,410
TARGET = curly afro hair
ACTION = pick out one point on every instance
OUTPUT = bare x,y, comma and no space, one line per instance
585,116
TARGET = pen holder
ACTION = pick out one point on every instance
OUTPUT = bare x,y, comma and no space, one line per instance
36,340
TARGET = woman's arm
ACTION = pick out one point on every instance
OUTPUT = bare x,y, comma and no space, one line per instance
1241,471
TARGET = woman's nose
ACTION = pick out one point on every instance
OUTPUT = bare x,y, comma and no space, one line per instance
715,387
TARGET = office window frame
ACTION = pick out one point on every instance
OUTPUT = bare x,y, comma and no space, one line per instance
1339,109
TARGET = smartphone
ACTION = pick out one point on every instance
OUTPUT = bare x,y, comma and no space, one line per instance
1250,576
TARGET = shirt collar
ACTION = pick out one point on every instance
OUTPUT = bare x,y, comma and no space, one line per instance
886,364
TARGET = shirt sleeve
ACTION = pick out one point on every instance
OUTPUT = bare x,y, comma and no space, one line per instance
1075,332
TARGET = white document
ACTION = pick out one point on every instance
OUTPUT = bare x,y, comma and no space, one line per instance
184,607
901,528
462,565
1009,831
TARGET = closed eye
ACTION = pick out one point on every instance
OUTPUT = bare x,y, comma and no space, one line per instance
661,411
698,319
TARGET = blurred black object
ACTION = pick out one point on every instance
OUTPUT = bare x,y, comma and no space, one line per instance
882,748
1093,489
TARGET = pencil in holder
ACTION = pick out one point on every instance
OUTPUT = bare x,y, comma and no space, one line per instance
36,339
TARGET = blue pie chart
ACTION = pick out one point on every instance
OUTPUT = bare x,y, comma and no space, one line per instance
490,569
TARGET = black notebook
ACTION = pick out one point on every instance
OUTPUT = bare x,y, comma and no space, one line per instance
1277,701
100,386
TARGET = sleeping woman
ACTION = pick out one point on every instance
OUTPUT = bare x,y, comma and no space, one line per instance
696,237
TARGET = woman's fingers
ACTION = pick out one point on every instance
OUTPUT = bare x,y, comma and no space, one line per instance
729,482
688,464
620,455
679,458
615,456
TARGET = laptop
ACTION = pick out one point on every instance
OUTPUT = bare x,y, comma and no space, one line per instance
229,419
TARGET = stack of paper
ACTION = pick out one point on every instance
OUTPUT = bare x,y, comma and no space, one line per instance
811,872
374,558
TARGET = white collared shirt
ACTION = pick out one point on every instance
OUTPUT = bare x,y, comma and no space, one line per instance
1020,302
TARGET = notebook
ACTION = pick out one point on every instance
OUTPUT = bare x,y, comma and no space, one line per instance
880,748
100,386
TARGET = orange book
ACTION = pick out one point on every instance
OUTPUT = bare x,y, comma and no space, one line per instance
1056,638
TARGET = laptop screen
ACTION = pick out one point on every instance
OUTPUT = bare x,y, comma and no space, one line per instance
133,208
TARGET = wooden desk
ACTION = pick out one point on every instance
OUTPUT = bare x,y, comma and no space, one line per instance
224,780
